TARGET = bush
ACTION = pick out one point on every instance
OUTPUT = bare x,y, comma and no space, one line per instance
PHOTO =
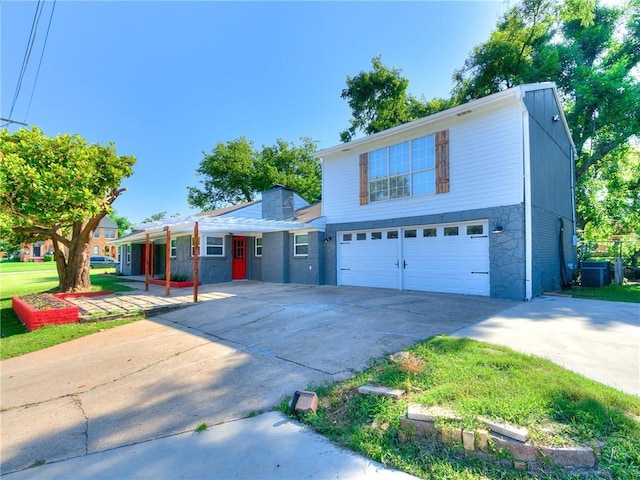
48,257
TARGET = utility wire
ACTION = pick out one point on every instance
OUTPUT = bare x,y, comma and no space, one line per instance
46,37
27,53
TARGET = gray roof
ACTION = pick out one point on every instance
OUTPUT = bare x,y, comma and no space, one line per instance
106,222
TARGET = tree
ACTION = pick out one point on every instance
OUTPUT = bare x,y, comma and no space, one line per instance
123,223
293,166
155,217
234,172
592,53
59,188
379,100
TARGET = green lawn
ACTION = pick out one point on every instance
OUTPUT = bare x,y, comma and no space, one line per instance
629,292
26,266
15,339
477,379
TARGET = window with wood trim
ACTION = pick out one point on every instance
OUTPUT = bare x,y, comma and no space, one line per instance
416,167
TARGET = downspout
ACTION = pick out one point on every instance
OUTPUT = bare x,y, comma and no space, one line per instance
528,214
572,155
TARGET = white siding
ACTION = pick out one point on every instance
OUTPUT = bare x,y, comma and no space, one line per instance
485,171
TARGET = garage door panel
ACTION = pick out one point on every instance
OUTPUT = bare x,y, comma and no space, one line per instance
369,263
441,263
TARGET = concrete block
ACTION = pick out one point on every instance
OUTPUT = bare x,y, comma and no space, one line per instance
421,428
307,402
430,413
520,451
468,440
519,465
579,457
451,436
339,377
482,439
520,434
381,391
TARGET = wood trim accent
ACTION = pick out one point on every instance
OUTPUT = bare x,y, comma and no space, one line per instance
442,161
364,178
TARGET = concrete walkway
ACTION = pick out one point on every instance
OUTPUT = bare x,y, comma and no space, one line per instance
600,340
123,403
218,361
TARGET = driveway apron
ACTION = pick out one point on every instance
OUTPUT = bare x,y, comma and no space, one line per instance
222,359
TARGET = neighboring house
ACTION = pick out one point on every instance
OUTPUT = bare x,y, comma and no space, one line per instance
103,236
100,243
469,200
275,239
476,200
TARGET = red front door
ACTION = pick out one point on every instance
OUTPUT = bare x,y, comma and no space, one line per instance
239,263
143,257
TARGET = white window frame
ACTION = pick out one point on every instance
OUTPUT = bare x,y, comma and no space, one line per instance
96,250
204,246
297,244
128,253
96,233
173,248
392,175
258,247
109,233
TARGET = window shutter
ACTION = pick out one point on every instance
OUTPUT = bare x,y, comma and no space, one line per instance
442,161
364,178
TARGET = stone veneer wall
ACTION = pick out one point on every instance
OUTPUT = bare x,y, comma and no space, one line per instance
506,250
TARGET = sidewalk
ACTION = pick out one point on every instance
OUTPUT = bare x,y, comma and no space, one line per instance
267,446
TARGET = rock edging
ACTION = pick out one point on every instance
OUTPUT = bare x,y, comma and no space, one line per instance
498,437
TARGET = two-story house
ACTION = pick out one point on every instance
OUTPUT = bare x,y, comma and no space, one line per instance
477,199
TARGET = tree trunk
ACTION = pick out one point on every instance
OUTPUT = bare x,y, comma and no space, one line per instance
75,274
74,268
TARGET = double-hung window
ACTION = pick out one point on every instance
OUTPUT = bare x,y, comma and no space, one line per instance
301,244
213,246
258,246
174,249
402,170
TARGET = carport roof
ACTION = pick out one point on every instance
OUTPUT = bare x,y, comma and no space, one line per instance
219,225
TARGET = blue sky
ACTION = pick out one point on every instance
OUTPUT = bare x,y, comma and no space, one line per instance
166,81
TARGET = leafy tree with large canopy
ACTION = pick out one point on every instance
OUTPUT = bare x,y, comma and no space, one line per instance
592,52
235,172
59,188
379,100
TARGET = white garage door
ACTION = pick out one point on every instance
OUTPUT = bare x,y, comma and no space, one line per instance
451,258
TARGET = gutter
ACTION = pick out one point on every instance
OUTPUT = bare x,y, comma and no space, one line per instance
528,213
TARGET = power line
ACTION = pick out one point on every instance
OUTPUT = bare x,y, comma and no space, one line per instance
46,37
27,53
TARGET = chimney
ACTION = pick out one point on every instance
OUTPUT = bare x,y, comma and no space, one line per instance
278,203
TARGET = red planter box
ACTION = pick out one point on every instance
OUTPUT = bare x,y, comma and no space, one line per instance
173,284
33,318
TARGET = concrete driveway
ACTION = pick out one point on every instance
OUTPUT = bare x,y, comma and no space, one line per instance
220,360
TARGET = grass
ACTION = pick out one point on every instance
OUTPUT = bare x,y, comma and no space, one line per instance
26,266
477,379
16,340
629,292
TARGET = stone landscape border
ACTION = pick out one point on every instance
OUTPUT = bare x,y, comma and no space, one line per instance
498,438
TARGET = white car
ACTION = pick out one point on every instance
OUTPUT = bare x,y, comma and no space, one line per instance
102,262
